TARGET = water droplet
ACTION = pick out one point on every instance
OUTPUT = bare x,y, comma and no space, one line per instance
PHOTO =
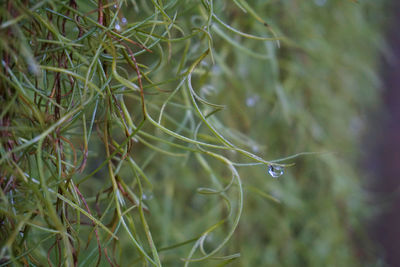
115,6
275,171
255,148
117,27
251,101
124,21
147,195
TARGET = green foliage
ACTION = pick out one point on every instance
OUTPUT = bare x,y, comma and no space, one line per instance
142,132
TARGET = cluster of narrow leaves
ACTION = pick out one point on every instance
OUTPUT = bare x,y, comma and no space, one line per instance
94,92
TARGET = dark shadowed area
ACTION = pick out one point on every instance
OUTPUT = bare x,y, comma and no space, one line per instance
385,159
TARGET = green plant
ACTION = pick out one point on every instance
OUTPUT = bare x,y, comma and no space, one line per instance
109,104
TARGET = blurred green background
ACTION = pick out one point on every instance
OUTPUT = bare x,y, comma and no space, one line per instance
308,88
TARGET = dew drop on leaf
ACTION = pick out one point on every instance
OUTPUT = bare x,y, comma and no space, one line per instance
124,21
147,195
275,171
117,27
251,101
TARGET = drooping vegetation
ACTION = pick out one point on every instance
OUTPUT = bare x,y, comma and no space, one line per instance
149,133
